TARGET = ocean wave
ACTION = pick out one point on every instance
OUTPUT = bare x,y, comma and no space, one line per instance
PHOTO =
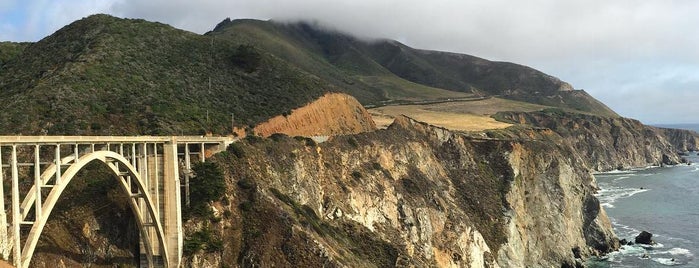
647,167
623,177
624,231
616,171
665,261
680,251
631,250
651,247
607,196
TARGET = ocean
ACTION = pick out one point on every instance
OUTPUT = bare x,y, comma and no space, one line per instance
661,200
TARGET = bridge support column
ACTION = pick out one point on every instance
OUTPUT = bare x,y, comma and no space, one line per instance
5,242
16,214
172,223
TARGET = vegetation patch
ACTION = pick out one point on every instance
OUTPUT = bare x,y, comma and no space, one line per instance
206,186
278,137
481,186
360,241
352,142
236,149
247,57
202,240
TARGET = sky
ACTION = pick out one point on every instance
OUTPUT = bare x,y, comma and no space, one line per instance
638,57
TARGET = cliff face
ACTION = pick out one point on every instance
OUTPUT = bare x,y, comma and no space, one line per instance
412,195
603,143
683,140
332,114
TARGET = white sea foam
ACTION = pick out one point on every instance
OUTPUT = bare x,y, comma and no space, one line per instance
647,167
623,177
631,250
625,230
651,247
680,251
665,261
607,196
617,171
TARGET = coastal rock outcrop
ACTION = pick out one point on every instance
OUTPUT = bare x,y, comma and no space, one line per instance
603,143
411,195
683,140
644,238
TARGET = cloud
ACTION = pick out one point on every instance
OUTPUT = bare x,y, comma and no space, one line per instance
614,49
531,31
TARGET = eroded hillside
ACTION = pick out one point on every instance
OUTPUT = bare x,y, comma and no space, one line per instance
331,114
411,195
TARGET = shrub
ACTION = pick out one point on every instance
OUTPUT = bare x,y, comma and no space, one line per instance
207,185
310,142
202,239
278,136
356,174
236,150
252,139
352,142
246,184
247,58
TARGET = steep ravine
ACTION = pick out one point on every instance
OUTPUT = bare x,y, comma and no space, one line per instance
411,195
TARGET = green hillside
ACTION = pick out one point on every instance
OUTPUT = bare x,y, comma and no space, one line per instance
349,69
106,75
10,50
382,64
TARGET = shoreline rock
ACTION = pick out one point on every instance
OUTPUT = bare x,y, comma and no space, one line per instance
644,238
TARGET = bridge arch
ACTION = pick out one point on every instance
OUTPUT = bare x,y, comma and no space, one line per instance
129,181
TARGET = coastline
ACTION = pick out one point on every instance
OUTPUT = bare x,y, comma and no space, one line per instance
633,200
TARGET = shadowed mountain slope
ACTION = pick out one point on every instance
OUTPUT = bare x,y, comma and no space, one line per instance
392,67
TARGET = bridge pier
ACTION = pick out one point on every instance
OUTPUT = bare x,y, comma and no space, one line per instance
5,242
172,202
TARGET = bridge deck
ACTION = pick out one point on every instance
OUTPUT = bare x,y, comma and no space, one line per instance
110,139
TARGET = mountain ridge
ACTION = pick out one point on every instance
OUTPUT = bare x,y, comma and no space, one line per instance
107,75
435,69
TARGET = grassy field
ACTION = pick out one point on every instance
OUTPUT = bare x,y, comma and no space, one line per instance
395,88
458,115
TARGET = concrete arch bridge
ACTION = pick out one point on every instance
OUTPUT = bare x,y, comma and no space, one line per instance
148,170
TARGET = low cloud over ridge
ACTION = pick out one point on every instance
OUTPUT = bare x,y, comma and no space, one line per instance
638,57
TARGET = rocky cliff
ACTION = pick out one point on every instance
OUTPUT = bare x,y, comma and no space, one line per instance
411,195
331,114
604,143
683,140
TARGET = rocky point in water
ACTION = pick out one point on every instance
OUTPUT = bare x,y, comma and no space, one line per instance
644,238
